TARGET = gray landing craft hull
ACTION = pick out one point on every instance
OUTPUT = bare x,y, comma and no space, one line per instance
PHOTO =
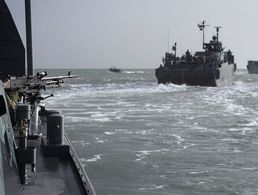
197,74
252,67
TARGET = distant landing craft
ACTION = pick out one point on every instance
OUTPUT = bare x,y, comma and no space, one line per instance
252,67
114,69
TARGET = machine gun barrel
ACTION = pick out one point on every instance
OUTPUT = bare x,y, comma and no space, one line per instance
31,86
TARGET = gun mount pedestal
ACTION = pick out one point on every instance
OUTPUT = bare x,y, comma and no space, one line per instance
25,155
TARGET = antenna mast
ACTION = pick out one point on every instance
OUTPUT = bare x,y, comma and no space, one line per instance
202,27
174,48
168,40
217,30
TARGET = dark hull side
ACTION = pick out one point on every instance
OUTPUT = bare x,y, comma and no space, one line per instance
12,51
196,74
252,69
114,70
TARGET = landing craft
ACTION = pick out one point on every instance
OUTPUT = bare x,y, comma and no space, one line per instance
252,67
114,69
34,159
211,67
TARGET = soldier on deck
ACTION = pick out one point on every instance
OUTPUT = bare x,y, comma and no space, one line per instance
12,96
188,56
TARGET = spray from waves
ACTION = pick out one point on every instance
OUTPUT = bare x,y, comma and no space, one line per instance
244,89
153,187
105,90
134,72
110,96
226,97
246,128
143,153
93,159
240,72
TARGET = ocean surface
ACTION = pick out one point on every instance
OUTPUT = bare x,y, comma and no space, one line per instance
136,137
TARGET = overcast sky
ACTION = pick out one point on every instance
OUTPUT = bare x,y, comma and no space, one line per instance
134,33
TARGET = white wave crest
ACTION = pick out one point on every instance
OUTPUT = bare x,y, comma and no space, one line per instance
94,159
143,153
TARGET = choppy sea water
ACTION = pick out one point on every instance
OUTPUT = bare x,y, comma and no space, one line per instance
136,137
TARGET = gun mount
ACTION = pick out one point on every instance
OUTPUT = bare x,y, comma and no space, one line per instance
30,87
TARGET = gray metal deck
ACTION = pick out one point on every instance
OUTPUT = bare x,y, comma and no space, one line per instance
58,170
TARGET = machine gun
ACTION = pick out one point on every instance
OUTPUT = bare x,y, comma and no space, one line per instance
30,87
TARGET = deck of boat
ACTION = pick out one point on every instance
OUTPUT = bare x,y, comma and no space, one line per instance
54,175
